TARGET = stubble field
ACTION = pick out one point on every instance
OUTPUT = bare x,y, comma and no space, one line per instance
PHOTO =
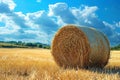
38,64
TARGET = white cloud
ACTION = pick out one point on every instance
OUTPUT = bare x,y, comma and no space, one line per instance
10,26
40,26
85,16
89,11
45,22
62,10
117,24
109,25
37,26
10,3
57,8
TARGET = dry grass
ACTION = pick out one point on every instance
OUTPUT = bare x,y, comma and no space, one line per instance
38,64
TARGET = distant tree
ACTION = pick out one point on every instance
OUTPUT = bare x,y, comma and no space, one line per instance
40,46
116,47
46,47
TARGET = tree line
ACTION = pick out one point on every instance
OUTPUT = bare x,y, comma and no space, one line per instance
117,47
20,44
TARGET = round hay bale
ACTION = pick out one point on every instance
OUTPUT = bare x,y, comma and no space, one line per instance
80,47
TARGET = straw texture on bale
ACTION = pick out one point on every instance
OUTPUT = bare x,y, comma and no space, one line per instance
80,47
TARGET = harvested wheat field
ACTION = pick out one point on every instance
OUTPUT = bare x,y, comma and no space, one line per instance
38,64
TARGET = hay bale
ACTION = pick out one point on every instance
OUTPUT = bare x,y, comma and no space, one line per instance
81,47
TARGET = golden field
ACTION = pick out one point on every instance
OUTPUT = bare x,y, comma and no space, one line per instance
38,64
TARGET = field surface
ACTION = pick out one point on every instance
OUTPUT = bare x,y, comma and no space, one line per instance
38,64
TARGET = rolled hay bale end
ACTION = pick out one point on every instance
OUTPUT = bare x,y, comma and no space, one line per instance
80,47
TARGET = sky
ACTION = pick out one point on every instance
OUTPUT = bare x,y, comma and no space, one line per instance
39,20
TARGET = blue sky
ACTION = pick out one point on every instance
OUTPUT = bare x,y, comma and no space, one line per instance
38,20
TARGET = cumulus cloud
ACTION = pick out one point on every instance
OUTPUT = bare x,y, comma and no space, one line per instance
86,16
40,26
117,24
9,25
37,26
44,21
10,3
62,10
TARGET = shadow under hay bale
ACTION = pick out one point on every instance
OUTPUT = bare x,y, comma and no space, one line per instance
80,47
111,70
